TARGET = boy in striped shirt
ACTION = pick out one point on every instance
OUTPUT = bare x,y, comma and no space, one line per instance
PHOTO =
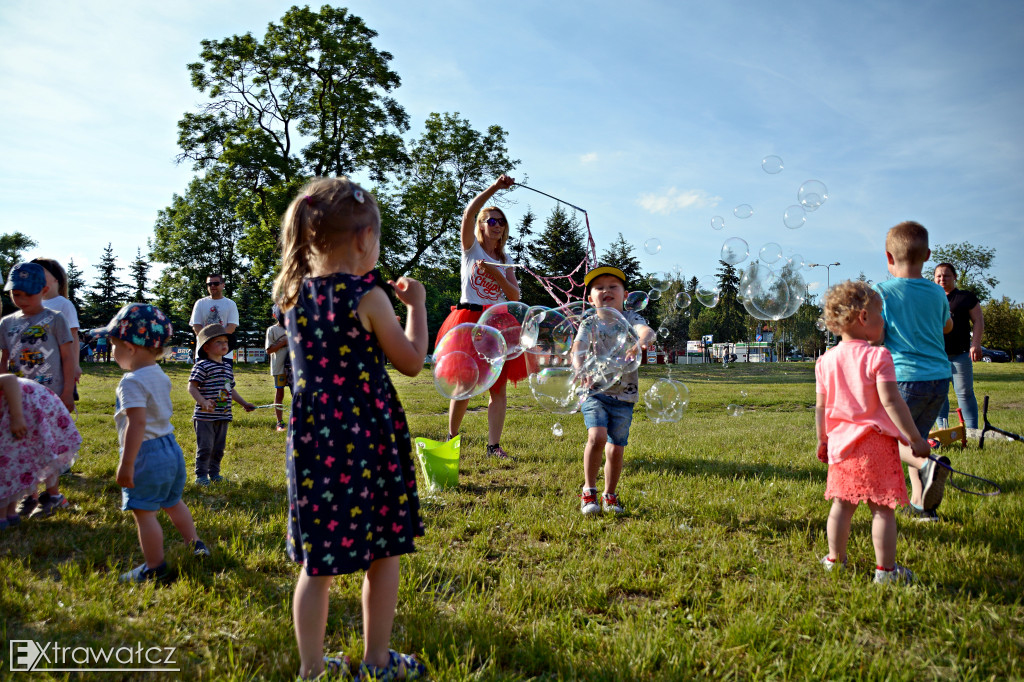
212,385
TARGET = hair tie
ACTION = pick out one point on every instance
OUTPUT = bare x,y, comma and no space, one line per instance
358,196
309,200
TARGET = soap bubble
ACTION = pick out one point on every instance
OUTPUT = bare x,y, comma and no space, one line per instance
606,346
654,294
636,301
796,261
547,332
797,291
663,332
743,211
819,324
666,400
812,194
663,281
794,217
770,253
772,164
652,245
682,300
766,294
556,389
734,410
507,318
735,250
708,292
556,430
717,222
743,394
468,360
655,280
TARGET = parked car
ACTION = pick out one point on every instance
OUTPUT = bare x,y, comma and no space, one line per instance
993,355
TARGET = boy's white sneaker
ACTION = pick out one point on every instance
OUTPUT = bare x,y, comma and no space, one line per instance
588,502
611,504
829,563
899,575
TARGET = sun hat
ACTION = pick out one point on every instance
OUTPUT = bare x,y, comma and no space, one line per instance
207,334
139,323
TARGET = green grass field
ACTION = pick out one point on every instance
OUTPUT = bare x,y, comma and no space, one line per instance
713,573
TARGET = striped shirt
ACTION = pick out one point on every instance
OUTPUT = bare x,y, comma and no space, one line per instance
216,380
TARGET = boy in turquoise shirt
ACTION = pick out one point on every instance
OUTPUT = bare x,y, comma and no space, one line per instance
917,317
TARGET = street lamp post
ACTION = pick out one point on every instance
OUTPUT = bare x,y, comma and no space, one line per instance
828,285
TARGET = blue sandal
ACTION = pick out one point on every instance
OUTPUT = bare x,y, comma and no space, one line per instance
400,667
335,668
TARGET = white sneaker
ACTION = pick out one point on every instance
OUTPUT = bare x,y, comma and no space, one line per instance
588,502
830,564
610,503
899,575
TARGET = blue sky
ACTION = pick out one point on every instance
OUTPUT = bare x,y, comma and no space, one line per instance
653,116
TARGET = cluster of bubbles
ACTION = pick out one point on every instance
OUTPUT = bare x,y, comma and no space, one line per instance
666,400
570,351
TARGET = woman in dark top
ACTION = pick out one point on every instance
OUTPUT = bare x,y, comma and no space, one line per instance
961,346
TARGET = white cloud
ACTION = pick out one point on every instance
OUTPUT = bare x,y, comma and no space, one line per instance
589,158
675,200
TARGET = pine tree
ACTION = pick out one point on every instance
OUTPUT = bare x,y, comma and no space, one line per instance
76,284
108,294
559,251
139,270
518,251
620,255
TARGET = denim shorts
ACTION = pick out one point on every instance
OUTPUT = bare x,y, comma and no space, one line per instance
925,399
609,413
159,476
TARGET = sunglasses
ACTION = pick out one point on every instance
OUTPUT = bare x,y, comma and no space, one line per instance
491,222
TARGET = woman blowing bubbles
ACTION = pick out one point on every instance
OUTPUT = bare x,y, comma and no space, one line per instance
484,234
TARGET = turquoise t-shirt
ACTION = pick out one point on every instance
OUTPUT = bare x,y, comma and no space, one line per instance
915,311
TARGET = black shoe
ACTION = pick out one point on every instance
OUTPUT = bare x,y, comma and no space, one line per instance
933,482
142,573
919,515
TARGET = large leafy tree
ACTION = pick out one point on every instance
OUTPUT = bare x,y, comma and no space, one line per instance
972,263
11,246
1004,324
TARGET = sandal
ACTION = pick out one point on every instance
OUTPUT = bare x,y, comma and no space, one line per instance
335,668
400,667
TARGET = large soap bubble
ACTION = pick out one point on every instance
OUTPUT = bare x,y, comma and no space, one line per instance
636,301
708,292
556,389
735,250
717,222
743,211
547,332
468,360
606,347
654,294
794,217
666,400
765,293
797,291
652,245
682,300
507,318
772,164
770,253
812,194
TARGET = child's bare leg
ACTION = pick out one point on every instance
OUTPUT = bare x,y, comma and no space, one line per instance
309,611
279,399
839,528
908,457
181,517
916,489
380,598
151,537
52,486
883,534
597,437
496,406
456,411
612,466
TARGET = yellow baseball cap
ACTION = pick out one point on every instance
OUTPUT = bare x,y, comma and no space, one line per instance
603,270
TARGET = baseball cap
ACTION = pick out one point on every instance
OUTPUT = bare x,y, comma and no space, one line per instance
27,277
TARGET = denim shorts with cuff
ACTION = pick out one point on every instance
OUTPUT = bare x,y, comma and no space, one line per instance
159,476
925,399
609,413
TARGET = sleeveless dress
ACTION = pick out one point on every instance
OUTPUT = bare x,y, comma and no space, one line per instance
351,478
49,447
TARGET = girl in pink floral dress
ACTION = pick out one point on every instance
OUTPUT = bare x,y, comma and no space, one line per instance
37,440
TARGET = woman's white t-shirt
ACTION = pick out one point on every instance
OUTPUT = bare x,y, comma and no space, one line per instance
477,286
65,308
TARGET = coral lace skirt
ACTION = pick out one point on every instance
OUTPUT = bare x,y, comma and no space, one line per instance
871,473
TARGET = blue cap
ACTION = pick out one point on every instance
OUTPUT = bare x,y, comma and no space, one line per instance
139,323
27,277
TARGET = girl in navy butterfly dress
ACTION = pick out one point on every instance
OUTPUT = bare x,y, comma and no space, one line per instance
351,479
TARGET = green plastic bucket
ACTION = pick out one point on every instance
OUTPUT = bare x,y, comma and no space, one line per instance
440,461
